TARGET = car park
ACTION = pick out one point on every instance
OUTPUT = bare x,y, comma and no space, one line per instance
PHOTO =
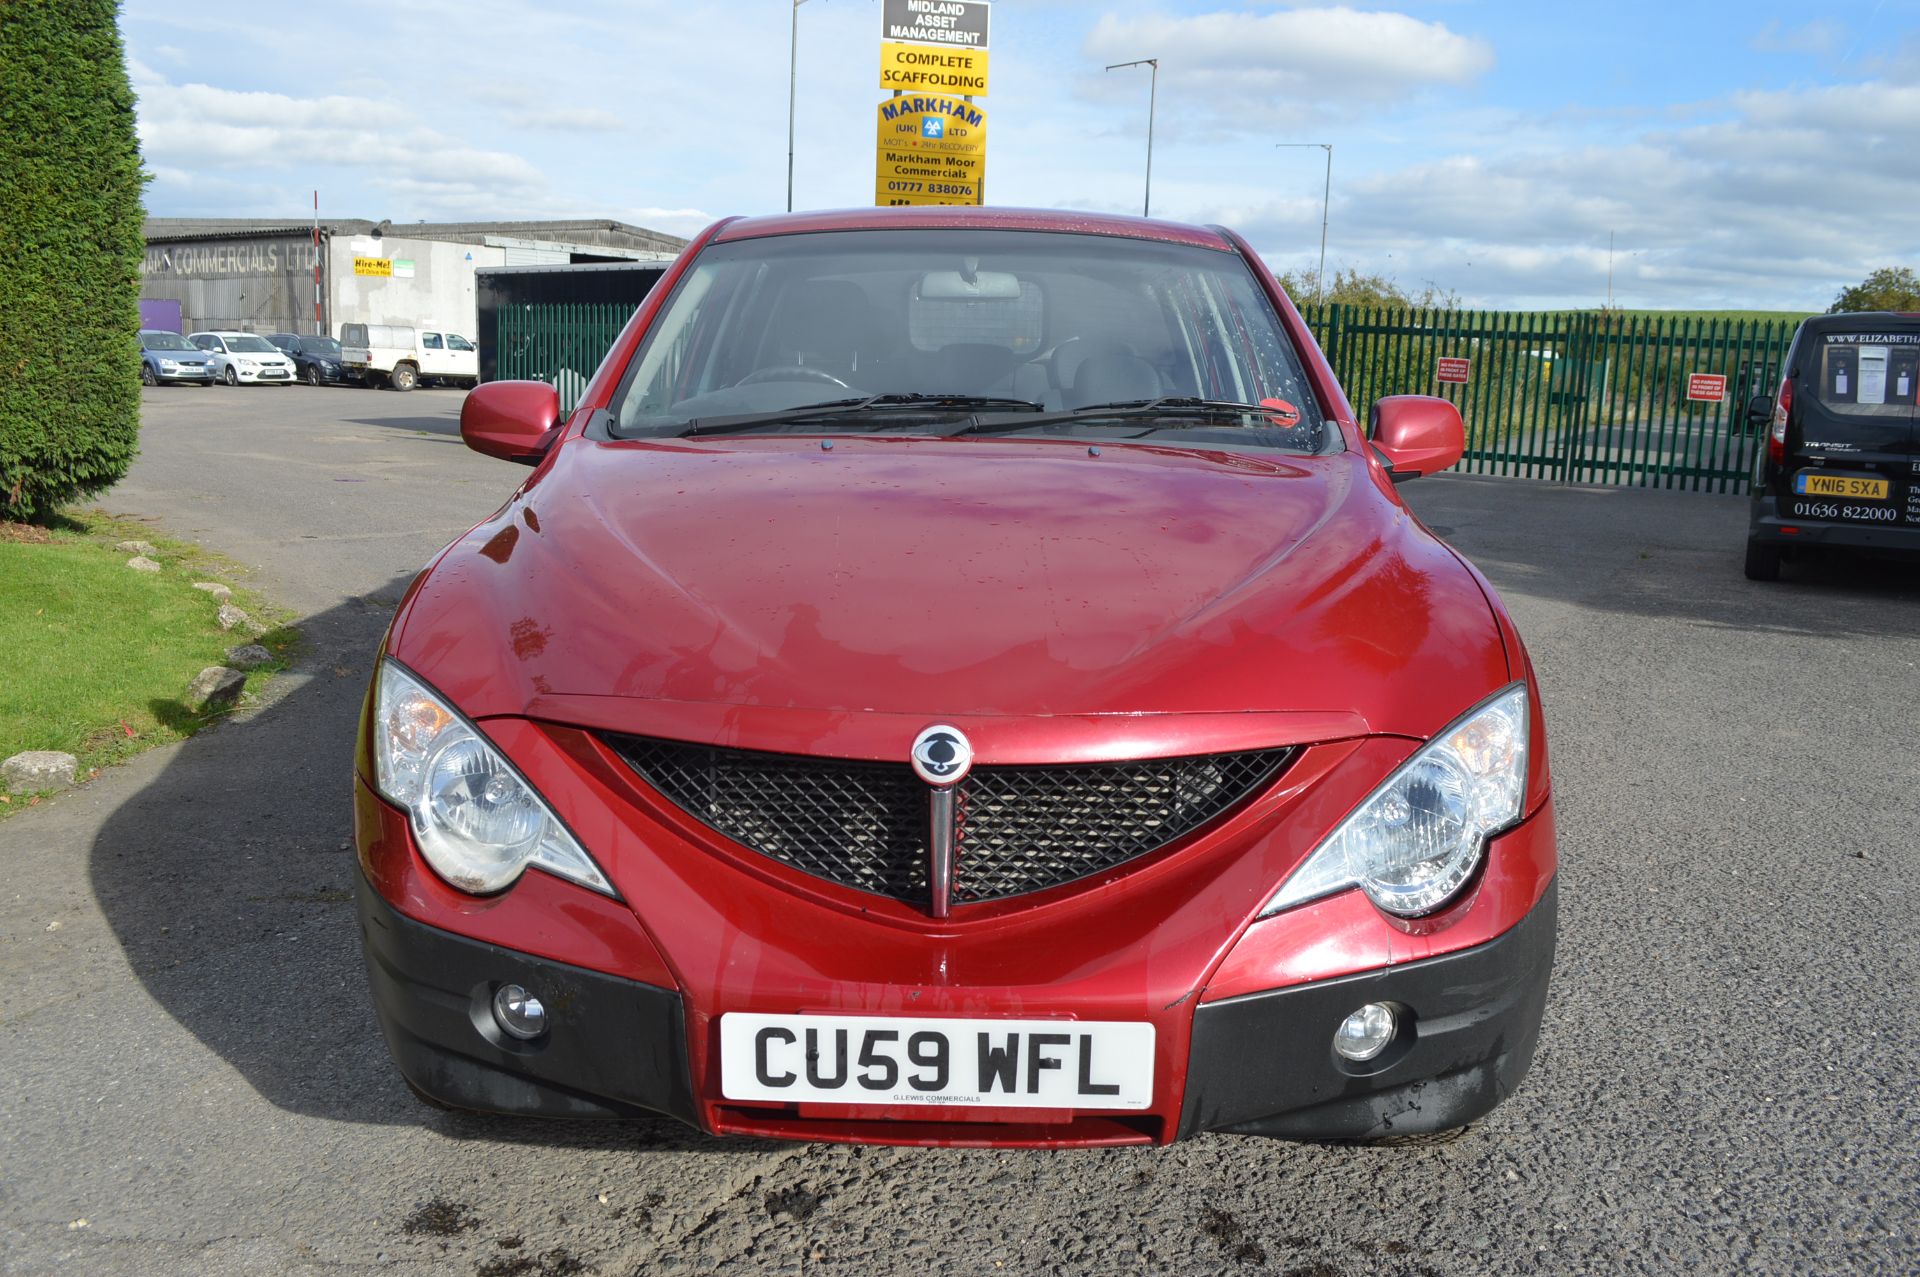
316,360
169,357
244,358
1841,463
960,677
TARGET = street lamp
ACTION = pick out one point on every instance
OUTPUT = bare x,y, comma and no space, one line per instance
793,71
1153,93
1320,280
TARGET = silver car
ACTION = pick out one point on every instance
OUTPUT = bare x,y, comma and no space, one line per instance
245,358
167,356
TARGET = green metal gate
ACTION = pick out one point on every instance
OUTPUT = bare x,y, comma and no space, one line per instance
561,343
1574,396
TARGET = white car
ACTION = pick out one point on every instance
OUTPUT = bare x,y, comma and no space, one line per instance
245,358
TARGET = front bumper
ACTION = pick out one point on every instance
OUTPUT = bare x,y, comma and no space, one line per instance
200,372
1264,1064
617,1048
271,376
1260,1064
1767,525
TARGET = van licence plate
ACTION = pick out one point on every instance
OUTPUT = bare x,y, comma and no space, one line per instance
862,1059
1858,487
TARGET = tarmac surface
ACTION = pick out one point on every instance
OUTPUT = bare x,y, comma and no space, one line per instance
192,1081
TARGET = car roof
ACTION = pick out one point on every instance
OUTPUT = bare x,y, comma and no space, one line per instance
1863,319
942,217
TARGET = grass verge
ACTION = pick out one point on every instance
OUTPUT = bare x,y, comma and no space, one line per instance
98,655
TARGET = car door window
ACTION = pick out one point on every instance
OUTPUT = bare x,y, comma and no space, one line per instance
456,342
430,341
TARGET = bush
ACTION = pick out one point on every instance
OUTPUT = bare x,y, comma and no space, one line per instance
1350,288
70,247
1889,288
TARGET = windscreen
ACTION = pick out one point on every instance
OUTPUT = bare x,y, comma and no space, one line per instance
247,344
166,341
1064,321
319,346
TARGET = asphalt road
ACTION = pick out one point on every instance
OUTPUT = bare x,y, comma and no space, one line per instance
191,1080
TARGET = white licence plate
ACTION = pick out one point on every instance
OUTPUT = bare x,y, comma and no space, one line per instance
863,1059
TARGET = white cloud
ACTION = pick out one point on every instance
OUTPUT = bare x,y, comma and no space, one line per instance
1816,37
1301,55
1775,198
685,222
567,120
202,126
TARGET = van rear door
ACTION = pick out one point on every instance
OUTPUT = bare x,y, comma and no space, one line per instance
1855,456
355,353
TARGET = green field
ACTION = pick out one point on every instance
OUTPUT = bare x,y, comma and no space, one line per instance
99,655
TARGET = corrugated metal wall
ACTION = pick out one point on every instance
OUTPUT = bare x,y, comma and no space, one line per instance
258,284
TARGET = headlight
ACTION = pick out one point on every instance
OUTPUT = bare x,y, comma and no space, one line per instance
1417,838
476,821
243,361
168,365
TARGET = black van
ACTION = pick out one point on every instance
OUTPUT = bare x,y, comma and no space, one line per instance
1841,465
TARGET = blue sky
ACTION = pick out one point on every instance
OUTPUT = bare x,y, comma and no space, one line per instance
1741,154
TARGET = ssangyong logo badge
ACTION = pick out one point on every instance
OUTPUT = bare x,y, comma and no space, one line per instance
942,756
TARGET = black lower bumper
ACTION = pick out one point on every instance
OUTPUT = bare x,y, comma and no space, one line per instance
616,1048
1767,520
1264,1064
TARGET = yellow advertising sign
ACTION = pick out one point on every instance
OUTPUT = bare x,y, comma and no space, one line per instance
923,68
382,266
929,149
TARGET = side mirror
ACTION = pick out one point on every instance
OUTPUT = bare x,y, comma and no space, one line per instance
1759,409
512,420
1417,434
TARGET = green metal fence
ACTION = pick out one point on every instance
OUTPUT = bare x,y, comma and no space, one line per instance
561,343
1575,396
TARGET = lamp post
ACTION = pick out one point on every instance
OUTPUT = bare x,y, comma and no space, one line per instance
793,74
1153,94
1320,279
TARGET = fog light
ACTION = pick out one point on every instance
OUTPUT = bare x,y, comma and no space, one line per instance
1366,1032
518,1013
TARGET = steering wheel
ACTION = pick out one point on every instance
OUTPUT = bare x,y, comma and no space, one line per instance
791,372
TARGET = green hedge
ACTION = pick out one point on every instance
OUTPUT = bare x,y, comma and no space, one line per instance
70,247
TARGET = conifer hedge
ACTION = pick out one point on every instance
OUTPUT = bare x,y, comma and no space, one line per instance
70,246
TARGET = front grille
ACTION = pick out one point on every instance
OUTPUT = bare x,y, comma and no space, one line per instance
1020,829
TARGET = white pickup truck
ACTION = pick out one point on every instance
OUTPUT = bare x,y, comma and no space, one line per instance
403,357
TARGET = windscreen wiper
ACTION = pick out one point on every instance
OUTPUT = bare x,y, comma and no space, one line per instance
859,405
1168,408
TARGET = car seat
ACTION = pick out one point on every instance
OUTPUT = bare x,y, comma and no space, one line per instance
1113,378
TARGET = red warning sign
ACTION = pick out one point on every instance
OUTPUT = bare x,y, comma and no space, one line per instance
1706,387
1453,372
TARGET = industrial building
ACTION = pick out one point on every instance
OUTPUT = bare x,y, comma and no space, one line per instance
258,274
